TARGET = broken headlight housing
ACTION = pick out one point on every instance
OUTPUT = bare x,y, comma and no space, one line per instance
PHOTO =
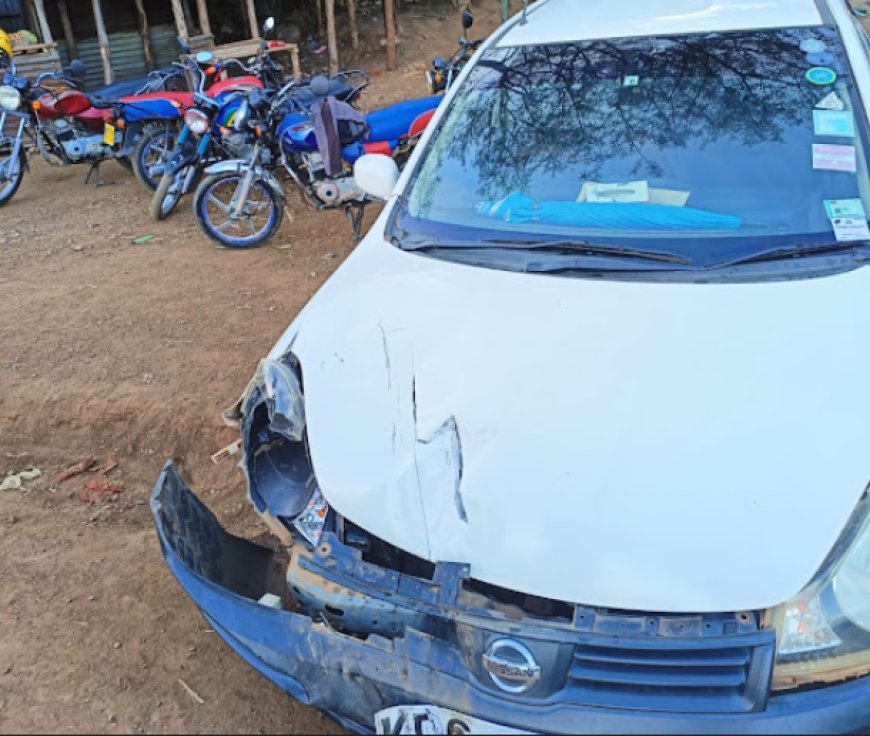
281,481
823,633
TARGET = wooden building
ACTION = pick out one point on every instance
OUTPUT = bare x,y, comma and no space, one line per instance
119,39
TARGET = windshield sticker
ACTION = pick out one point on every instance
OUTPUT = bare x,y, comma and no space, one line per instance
632,191
631,81
831,101
813,46
834,158
825,58
821,75
844,208
847,229
836,123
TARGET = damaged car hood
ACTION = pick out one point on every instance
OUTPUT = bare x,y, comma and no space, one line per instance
658,447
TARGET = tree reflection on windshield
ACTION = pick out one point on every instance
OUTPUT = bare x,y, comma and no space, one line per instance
682,112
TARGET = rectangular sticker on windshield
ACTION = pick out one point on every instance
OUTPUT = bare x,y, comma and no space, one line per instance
850,228
834,123
844,208
829,157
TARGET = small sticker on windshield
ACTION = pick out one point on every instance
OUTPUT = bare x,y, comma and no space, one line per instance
844,208
821,75
831,101
631,81
847,229
813,46
828,157
836,123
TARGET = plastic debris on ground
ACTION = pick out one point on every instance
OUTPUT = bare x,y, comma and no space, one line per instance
13,481
76,469
100,489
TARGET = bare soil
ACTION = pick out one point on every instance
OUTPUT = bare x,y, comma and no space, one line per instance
112,350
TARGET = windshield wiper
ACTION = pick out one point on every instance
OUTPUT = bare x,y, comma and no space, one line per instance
792,251
572,247
586,248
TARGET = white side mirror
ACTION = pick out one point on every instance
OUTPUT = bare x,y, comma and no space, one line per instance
204,57
376,175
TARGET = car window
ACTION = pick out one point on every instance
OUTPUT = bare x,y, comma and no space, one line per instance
716,143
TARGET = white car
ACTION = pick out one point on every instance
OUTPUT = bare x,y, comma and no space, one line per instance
578,439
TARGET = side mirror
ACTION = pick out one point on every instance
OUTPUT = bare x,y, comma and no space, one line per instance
376,175
268,25
467,19
204,57
78,69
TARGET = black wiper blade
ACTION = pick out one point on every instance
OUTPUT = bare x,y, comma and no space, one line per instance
792,251
586,248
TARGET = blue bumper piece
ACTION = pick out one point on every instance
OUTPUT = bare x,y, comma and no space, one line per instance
352,678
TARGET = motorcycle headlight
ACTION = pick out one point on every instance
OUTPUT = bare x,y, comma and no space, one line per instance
10,98
281,481
196,121
823,633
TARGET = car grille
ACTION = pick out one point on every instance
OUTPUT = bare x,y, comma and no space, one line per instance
688,675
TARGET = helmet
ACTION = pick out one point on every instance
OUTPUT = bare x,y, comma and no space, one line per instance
5,48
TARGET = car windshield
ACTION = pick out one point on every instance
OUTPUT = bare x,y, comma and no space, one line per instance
710,146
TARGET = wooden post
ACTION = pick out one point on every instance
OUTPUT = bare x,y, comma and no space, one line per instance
390,27
351,17
330,36
44,28
252,19
143,32
204,23
294,62
180,24
103,38
320,31
69,36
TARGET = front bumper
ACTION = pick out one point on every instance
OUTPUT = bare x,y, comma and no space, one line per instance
352,678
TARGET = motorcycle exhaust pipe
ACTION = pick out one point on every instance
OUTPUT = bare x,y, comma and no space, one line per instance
157,170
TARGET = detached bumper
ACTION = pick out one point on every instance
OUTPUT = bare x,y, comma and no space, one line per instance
353,678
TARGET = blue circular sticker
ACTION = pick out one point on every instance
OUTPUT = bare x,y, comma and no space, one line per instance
822,58
821,75
813,46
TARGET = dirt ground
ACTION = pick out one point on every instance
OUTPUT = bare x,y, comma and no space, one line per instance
113,350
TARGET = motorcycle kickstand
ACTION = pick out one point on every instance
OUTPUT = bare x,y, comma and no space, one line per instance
98,179
355,214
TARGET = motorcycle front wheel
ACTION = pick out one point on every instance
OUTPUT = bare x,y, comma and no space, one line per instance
258,218
153,147
169,193
9,184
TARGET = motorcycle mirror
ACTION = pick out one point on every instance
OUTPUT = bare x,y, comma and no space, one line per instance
204,57
467,19
376,175
319,86
268,25
78,69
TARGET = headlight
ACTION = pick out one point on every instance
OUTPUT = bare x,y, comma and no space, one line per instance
196,120
824,632
281,481
10,98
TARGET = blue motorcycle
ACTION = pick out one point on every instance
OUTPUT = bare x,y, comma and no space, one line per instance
240,203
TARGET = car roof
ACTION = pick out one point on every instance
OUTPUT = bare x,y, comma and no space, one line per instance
560,21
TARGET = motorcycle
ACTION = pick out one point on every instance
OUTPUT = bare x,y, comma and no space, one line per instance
445,71
240,203
214,130
154,148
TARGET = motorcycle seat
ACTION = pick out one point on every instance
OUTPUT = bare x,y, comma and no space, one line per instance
338,89
100,103
394,122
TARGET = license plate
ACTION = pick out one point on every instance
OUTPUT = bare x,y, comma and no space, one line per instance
109,134
420,719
